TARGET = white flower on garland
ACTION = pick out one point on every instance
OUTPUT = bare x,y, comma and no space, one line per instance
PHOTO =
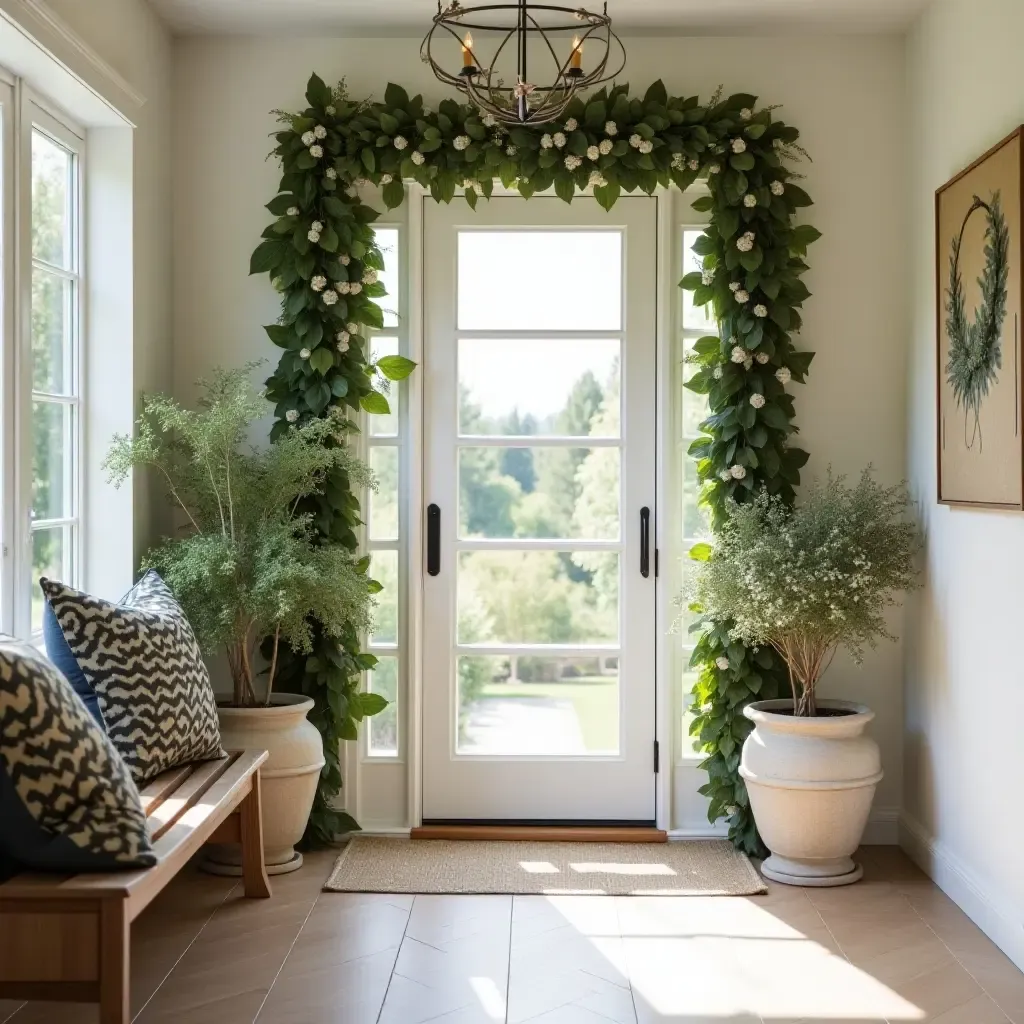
734,286
304,353
370,276
635,140
344,259
400,142
558,139
330,297
604,147
343,287
320,131
572,161
318,283
343,341
597,179
313,236
744,243
741,295
291,415
678,161
783,375
352,328
757,400
739,145
646,146
762,357
737,472
511,150
354,288
317,226
316,152
777,188
725,475
331,173
717,373
714,168
760,310
739,354
330,110
418,158
720,661
611,128
694,164
593,152
746,114
489,120
750,200
293,211
707,276
461,142
572,124
386,179
308,138
546,142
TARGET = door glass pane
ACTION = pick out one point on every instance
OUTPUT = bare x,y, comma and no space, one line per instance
51,437
696,318
539,492
50,557
694,406
387,240
538,597
383,728
51,332
384,501
528,704
565,387
384,569
540,280
51,208
386,426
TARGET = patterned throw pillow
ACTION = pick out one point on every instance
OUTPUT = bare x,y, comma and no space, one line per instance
67,801
142,659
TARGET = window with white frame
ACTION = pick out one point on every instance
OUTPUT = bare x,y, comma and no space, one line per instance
386,450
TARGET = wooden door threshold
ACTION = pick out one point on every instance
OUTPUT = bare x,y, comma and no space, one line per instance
541,833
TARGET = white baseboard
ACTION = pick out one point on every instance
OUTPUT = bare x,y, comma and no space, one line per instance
392,831
882,829
963,887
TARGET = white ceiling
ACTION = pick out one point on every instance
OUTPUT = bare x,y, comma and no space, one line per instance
412,17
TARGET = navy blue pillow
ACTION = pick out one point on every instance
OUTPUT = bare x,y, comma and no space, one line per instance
58,651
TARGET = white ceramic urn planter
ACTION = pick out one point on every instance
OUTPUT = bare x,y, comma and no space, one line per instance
288,777
811,782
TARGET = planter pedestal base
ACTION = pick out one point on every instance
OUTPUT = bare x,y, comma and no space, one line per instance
226,859
821,873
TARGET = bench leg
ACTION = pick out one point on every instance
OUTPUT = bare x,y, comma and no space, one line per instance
254,871
114,963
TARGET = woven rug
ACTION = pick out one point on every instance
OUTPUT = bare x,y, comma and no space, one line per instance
691,868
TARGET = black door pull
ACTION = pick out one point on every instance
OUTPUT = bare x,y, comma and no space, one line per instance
433,539
645,542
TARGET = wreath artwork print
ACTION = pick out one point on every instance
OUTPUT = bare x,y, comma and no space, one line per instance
322,258
978,224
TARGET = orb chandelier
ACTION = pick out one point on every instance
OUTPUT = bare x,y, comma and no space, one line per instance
535,43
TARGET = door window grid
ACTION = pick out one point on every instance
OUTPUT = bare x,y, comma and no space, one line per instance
386,449
55,345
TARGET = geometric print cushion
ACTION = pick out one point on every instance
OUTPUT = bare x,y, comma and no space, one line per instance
67,800
141,658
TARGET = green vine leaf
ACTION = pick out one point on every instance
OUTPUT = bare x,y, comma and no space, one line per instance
395,367
375,403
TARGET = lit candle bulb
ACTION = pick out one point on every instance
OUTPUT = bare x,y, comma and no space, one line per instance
577,52
467,50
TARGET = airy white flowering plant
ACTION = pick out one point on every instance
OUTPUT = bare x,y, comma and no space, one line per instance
808,579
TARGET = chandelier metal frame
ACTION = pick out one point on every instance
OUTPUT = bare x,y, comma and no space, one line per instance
524,102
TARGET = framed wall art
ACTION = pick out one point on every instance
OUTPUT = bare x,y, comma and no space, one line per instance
979,267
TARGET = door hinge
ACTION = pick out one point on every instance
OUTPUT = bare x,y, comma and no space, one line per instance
657,757
656,554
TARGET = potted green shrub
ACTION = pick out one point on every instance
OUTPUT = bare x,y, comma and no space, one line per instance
805,581
247,566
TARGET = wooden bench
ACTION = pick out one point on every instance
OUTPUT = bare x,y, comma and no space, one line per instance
66,938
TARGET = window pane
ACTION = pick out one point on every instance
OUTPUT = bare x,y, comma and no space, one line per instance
694,406
386,426
699,318
539,492
51,554
51,332
383,728
51,453
690,745
387,240
540,281
538,597
537,705
695,521
384,501
384,569
565,386
51,208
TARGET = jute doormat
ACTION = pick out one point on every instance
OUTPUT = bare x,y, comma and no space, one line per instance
693,868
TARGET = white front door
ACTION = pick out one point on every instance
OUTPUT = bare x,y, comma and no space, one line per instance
539,595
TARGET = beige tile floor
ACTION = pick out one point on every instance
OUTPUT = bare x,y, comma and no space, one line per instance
892,948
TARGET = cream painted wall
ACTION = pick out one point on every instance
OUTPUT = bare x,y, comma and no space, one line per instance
132,40
964,677
846,94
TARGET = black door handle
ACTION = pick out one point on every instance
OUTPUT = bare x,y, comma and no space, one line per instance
645,542
433,539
